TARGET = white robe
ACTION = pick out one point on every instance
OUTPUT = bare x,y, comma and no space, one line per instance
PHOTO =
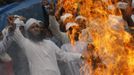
74,66
42,56
17,56
5,43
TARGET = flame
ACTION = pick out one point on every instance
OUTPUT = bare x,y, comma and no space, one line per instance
74,34
113,52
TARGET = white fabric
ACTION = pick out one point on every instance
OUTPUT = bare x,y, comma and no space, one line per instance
116,22
18,22
74,66
16,16
86,36
77,48
132,17
70,24
42,56
80,17
5,57
66,15
54,27
30,22
5,43
122,5
5,32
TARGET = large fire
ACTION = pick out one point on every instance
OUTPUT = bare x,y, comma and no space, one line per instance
112,49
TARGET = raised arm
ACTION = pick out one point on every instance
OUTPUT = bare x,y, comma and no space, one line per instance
54,27
6,42
65,56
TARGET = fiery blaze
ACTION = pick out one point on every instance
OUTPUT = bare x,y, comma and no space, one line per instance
112,52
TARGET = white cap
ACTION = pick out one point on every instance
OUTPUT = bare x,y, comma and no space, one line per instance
66,15
70,24
80,17
16,16
30,22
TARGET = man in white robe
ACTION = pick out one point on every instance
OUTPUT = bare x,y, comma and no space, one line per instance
19,59
42,54
78,47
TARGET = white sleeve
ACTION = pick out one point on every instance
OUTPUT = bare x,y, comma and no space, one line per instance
6,42
54,27
65,56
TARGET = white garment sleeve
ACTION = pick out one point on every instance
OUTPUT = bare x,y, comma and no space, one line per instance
5,43
54,27
65,56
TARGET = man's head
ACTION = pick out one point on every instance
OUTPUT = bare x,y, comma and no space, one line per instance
81,21
73,31
64,19
35,29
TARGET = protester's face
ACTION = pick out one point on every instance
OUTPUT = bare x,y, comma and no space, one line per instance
74,32
35,30
45,32
68,19
82,23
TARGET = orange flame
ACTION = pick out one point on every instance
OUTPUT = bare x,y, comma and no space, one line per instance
113,52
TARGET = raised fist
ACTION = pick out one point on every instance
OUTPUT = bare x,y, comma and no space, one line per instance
48,6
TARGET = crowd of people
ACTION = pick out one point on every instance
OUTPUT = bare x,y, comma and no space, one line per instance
34,41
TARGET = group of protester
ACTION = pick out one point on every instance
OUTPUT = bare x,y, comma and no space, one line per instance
34,41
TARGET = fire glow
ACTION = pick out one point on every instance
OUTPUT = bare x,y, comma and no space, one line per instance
112,52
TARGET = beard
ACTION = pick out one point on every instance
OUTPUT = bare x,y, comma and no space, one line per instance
35,36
